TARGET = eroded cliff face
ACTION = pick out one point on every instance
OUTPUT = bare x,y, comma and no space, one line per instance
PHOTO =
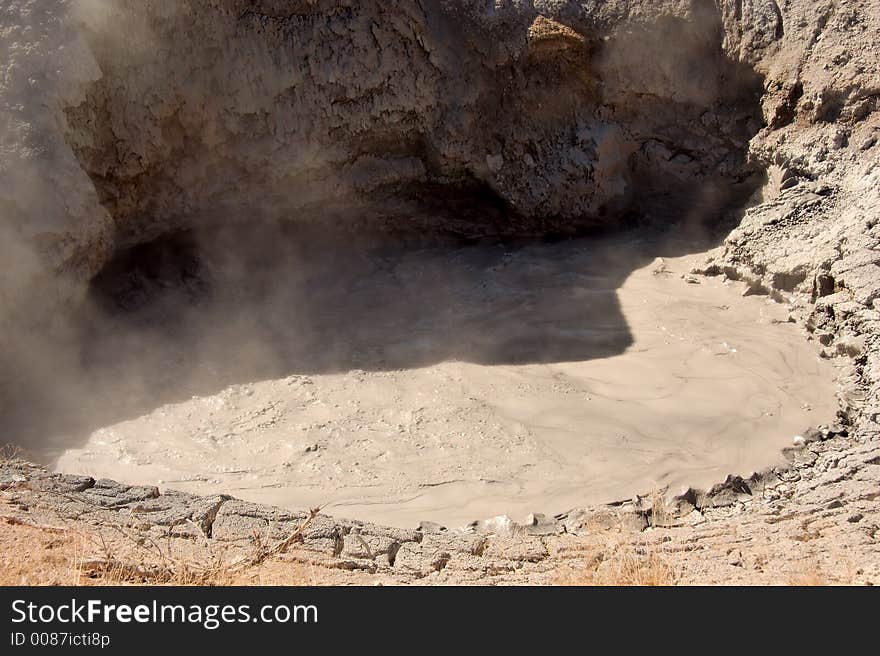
408,115
125,122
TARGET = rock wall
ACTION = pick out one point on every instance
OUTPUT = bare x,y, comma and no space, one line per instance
814,237
126,121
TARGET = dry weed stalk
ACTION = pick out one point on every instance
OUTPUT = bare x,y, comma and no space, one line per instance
263,552
608,557
141,559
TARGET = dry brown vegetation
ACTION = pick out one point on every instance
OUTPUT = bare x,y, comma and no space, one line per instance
617,564
49,555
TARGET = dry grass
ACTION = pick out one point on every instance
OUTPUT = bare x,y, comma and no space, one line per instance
72,554
10,452
34,556
609,555
54,555
661,513
608,558
626,566
51,555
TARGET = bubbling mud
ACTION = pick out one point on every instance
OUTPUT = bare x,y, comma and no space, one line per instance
446,384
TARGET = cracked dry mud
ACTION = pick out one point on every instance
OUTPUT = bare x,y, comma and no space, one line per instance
466,121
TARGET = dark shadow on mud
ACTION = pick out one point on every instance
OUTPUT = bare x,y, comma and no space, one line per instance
192,314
